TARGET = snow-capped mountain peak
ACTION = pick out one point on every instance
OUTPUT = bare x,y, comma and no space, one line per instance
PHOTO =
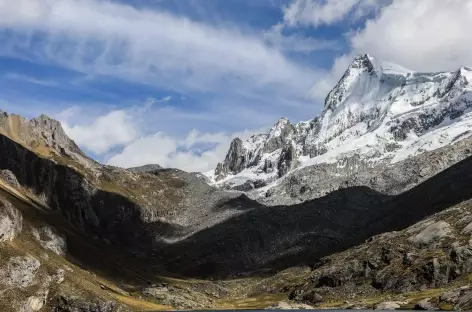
378,111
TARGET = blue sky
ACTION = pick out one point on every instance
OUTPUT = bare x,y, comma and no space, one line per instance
174,81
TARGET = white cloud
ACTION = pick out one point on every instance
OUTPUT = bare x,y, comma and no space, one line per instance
295,42
428,35
148,46
198,152
326,12
113,129
123,137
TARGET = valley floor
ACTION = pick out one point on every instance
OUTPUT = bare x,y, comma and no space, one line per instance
68,282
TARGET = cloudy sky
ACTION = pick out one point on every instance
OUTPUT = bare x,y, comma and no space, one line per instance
172,82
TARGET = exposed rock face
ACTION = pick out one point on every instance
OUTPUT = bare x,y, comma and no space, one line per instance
426,304
9,177
145,168
11,221
377,116
19,271
36,302
430,254
431,235
179,297
283,305
76,304
50,239
263,157
388,305
116,204
314,181
42,135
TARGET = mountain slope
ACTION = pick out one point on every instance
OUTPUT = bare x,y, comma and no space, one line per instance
378,114
122,230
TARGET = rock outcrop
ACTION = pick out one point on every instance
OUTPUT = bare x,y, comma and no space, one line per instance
50,239
9,177
11,221
430,254
145,168
19,271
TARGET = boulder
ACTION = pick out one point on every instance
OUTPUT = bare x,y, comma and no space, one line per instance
284,305
425,304
9,178
387,305
19,271
50,239
11,221
432,235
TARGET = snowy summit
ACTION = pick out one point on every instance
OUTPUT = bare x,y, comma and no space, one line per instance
378,111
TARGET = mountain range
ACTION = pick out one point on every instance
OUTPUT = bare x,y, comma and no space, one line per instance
379,115
367,205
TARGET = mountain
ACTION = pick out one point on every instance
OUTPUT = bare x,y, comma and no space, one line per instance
76,235
145,168
379,115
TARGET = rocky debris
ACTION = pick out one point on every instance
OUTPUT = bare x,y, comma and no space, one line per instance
451,296
234,162
179,297
284,305
358,140
9,177
425,304
11,221
432,234
36,302
318,180
19,271
145,168
76,304
202,177
464,301
118,205
388,305
50,239
396,263
59,277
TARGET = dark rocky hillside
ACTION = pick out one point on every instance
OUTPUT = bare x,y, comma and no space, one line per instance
140,239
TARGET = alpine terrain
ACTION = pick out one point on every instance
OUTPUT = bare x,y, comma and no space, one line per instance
368,205
382,126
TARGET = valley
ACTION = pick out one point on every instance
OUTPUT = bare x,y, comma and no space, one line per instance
366,206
